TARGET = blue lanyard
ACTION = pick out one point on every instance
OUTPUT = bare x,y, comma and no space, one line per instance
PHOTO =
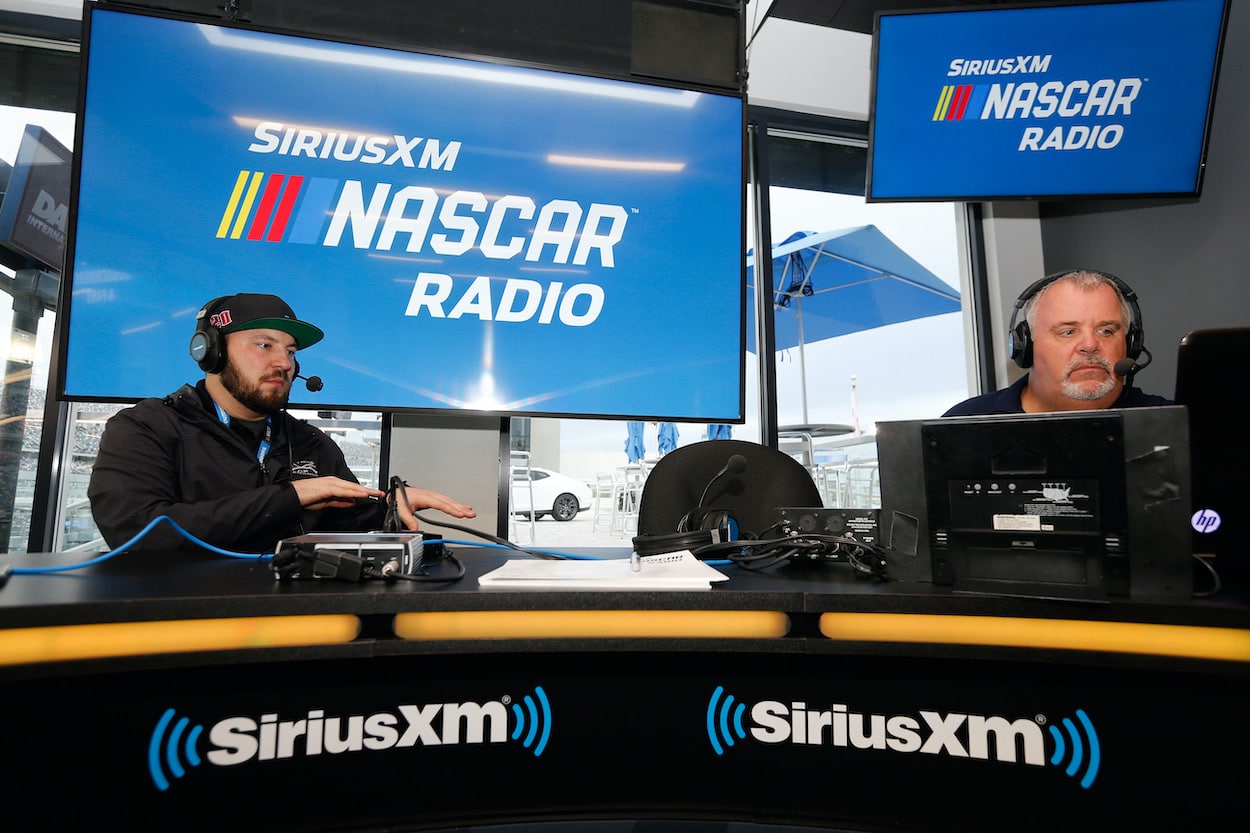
263,450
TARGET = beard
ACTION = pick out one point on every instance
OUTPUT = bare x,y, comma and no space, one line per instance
262,400
1082,390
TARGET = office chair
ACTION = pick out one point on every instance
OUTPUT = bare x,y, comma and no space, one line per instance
752,492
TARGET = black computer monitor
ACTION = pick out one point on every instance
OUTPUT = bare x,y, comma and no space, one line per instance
1076,504
1208,363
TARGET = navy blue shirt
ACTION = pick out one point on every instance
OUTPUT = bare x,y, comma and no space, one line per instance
1007,401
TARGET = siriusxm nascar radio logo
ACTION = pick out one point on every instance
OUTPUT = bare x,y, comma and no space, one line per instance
1091,112
178,744
1073,742
279,207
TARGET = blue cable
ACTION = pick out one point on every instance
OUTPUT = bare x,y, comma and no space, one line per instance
143,532
723,562
26,571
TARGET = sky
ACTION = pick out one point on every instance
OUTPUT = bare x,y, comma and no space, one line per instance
910,370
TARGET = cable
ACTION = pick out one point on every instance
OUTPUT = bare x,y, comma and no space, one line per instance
1216,584
396,488
136,539
865,559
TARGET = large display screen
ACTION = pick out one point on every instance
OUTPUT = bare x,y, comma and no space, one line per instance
34,206
1088,99
469,235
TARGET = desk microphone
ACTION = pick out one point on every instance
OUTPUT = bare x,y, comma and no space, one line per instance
700,518
736,464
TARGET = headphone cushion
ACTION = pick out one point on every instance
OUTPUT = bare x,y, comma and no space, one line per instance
206,349
1020,340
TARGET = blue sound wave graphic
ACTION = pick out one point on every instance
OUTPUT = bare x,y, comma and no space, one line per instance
534,721
719,730
1079,749
172,746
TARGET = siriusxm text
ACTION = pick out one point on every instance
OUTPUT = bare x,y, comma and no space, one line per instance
237,740
1017,65
291,140
926,732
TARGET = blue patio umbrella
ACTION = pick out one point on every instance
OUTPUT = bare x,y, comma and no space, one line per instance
832,283
668,437
634,448
720,431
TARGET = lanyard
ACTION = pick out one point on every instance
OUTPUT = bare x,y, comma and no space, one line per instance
262,451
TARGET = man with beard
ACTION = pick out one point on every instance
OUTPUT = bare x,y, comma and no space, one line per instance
224,460
1069,330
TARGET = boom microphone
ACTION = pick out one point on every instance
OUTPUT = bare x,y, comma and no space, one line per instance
702,520
1126,367
736,464
314,383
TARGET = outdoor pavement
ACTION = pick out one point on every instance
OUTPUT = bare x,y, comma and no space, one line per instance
578,533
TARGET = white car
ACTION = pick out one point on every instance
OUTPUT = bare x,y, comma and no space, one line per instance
554,494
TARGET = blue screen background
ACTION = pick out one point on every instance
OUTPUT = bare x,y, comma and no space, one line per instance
171,108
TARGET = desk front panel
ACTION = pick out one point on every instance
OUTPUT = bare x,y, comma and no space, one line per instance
910,743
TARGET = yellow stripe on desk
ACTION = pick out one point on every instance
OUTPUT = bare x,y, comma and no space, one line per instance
119,639
553,624
1064,634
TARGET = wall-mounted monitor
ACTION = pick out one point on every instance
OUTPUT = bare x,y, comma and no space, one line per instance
34,205
470,235
1091,99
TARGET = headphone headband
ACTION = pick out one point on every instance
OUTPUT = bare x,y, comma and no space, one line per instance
1020,337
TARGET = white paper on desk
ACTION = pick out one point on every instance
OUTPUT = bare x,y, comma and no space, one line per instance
668,571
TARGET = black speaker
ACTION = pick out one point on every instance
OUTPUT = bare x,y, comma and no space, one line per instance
207,346
1020,338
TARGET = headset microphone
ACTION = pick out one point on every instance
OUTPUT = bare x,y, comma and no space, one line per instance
1126,367
313,383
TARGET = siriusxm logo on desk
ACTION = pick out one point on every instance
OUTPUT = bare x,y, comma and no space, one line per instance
178,744
1073,741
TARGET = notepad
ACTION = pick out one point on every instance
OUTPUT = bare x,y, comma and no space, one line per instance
667,571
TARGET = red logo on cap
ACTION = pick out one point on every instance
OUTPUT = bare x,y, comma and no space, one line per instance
220,319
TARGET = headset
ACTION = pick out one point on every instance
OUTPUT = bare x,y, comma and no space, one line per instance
697,528
207,346
1020,339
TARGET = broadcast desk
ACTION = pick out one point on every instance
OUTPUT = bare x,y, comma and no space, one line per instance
193,692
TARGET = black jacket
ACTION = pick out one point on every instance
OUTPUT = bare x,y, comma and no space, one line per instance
1008,401
173,457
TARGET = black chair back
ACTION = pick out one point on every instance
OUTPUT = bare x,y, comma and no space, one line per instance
770,479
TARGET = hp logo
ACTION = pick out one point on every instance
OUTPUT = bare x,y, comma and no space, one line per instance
533,722
1079,745
724,720
170,746
1205,521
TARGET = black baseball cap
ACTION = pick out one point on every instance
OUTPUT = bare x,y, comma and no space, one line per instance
254,311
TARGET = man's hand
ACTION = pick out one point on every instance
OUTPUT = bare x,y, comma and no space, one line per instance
332,492
428,499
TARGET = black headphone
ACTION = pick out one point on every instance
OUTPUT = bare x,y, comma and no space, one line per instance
1020,339
697,528
207,347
